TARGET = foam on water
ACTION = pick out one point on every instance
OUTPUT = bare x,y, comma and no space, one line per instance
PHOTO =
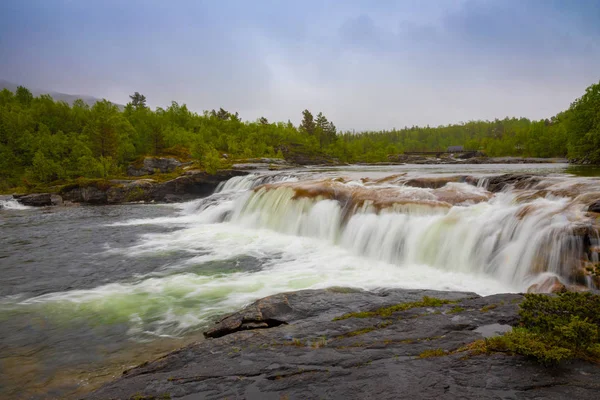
12,204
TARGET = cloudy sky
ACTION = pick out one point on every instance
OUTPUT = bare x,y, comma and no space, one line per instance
365,64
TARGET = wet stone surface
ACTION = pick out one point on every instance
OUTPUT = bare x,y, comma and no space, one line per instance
303,345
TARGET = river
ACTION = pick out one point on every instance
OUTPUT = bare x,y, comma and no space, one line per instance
90,291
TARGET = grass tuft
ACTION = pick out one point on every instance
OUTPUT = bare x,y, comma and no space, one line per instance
388,311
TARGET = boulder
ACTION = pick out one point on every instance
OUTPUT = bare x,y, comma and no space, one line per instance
35,199
151,165
550,284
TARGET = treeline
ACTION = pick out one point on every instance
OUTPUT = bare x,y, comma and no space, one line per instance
42,140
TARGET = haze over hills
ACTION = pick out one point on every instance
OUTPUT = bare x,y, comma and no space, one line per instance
57,96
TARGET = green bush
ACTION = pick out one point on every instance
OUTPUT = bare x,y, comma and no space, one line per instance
555,328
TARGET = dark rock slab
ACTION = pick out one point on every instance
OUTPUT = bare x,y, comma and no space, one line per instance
35,200
191,185
308,353
520,181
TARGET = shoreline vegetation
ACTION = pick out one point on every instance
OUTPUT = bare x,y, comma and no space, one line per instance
45,144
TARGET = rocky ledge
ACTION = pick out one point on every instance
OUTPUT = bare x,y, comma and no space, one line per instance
341,343
190,185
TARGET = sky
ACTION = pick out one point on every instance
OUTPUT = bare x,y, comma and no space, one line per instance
365,64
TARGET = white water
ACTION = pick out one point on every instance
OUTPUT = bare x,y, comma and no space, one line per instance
11,204
333,233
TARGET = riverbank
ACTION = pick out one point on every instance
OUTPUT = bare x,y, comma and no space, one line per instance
160,179
351,344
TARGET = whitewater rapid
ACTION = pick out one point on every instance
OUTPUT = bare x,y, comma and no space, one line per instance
260,235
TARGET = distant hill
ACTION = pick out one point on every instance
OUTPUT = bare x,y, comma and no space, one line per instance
57,96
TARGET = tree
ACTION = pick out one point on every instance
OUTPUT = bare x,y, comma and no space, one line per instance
308,124
138,100
326,130
24,96
102,129
222,114
263,121
583,124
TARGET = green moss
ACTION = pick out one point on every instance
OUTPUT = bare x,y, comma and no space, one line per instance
456,310
488,307
340,289
433,353
388,311
135,194
368,329
358,332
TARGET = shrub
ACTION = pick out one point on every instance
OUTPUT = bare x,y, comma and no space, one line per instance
552,329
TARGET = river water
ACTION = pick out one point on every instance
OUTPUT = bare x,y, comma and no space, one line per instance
89,291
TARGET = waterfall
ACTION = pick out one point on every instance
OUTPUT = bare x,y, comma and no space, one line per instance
457,227
247,182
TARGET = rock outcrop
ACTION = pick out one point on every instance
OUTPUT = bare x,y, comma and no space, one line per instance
39,199
348,344
192,184
152,165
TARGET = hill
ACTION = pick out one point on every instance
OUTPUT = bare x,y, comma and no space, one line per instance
57,96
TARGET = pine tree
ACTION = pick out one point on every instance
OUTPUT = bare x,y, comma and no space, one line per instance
138,100
308,124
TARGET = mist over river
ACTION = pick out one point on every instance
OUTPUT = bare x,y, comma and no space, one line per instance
89,291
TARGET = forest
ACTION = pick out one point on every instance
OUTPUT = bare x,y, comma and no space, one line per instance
44,141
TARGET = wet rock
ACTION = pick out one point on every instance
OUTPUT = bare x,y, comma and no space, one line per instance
314,353
594,207
152,165
193,184
520,181
432,183
549,285
35,200
56,200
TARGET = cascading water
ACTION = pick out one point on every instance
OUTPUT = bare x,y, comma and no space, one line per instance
469,231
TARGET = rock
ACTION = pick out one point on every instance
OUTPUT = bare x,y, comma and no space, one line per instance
56,200
550,284
193,184
433,182
35,200
131,191
520,181
86,194
151,165
311,354
594,207
471,154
